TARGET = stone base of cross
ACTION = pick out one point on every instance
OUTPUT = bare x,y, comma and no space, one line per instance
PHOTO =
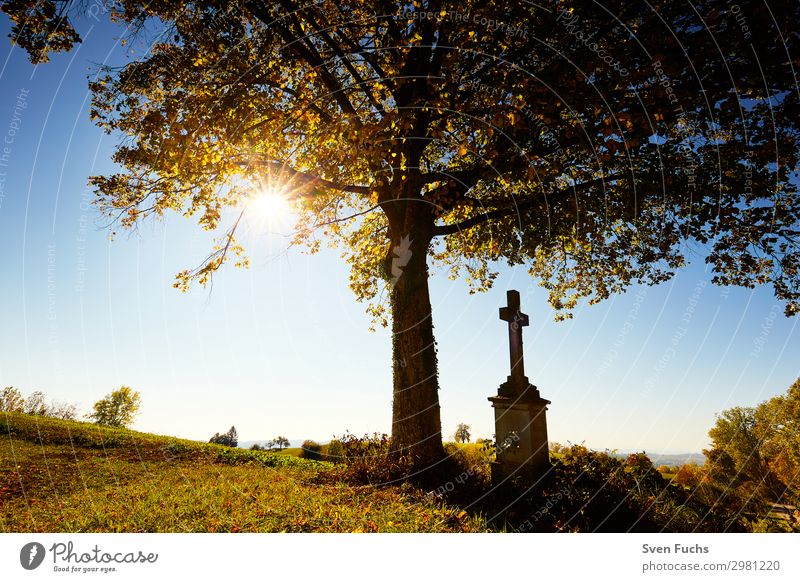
520,414
522,452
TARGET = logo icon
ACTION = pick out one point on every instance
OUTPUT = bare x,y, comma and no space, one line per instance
402,255
31,555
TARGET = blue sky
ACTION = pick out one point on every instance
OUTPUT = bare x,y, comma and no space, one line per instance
284,348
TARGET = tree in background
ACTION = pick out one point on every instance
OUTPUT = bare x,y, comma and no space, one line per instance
63,410
229,439
281,442
118,408
689,475
415,137
11,400
36,404
777,425
462,433
756,451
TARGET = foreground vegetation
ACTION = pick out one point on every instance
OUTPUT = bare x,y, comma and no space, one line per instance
63,475
68,476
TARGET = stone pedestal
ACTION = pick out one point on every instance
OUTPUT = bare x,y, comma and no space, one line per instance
520,433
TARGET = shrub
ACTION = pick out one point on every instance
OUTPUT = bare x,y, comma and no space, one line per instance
335,452
311,450
594,491
368,460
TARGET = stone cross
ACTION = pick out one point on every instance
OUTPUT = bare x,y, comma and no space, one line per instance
520,414
516,321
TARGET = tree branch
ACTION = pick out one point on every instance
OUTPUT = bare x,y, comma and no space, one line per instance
305,179
468,223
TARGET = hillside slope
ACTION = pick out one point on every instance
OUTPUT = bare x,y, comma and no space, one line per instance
62,476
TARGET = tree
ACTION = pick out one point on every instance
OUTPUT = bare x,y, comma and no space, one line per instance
689,475
63,410
739,454
36,404
597,144
229,439
462,433
777,426
11,400
118,408
280,442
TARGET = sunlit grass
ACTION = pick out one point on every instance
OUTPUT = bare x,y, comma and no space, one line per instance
60,476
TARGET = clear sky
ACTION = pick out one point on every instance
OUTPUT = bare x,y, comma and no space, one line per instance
284,348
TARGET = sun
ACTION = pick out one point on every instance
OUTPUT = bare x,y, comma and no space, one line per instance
270,202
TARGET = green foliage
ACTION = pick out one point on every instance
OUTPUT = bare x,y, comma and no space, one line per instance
11,400
311,450
118,408
754,461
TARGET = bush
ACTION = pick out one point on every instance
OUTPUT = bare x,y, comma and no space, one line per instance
594,491
335,452
472,459
311,450
368,460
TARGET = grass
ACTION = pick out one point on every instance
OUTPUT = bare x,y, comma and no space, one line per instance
63,476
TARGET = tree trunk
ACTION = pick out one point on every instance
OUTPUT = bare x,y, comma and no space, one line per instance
416,423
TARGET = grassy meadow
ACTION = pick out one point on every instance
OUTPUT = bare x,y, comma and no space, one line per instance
63,476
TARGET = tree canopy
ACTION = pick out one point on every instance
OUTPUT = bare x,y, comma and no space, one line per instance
229,439
757,449
598,144
118,408
592,162
11,400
